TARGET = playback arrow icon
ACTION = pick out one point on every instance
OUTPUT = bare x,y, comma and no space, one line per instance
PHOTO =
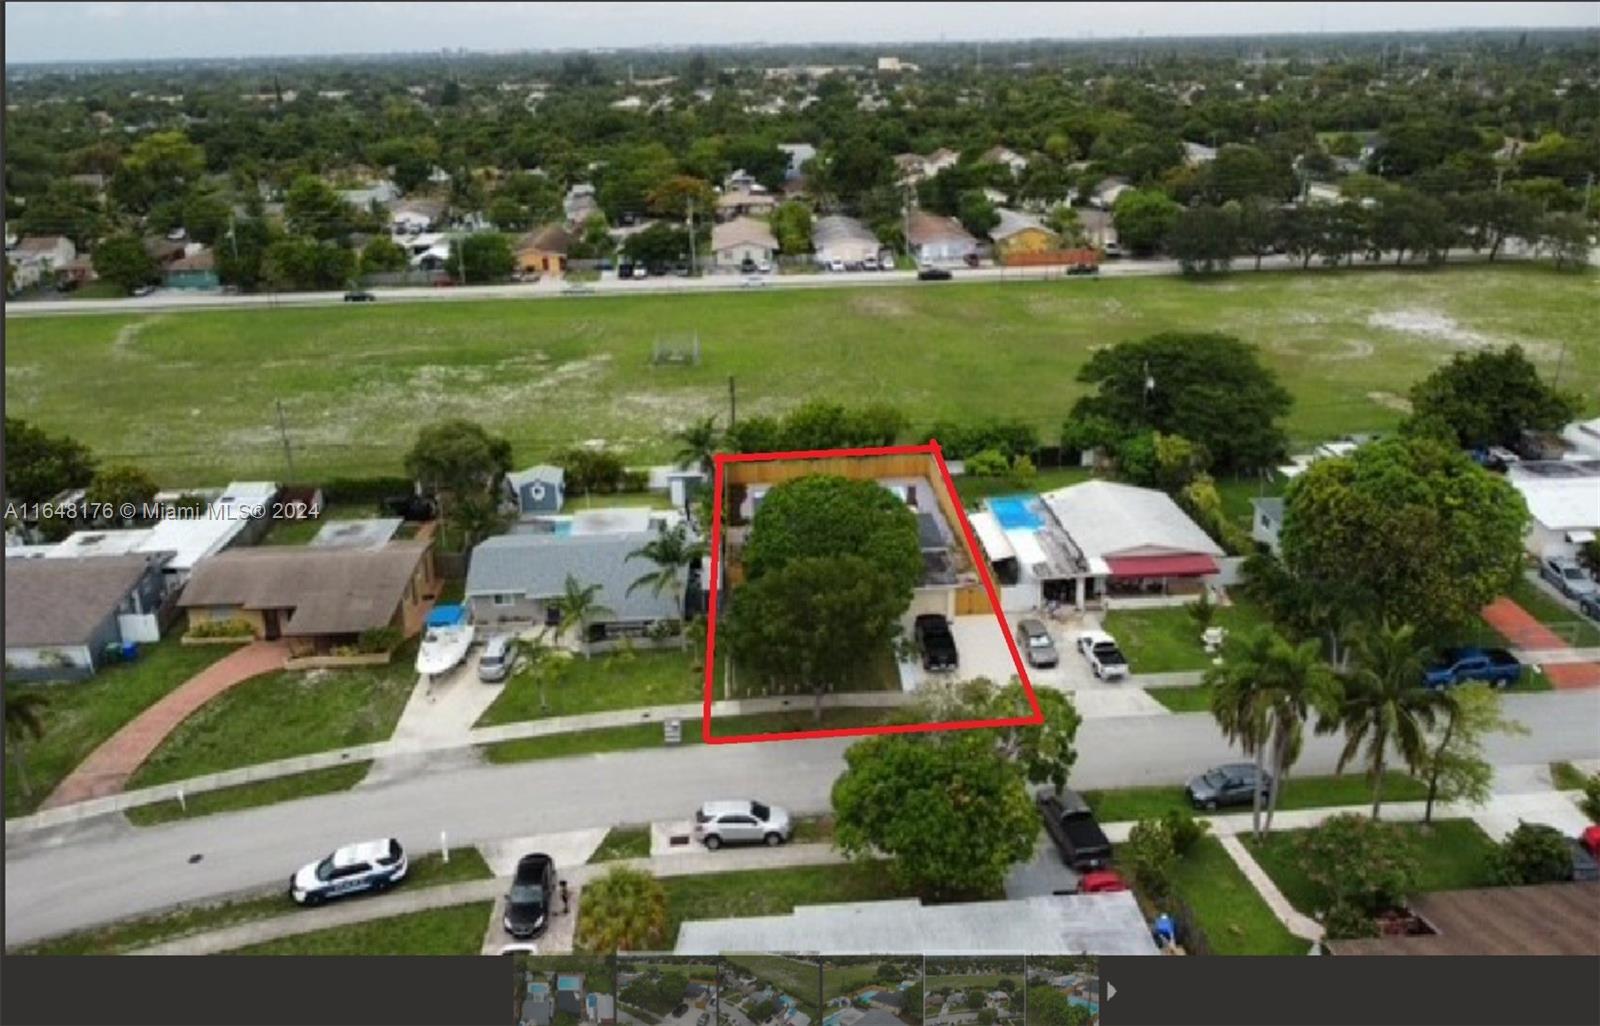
1111,991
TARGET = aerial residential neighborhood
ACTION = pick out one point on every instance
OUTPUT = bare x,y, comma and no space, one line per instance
825,532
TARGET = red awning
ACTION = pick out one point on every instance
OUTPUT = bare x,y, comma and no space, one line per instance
1186,565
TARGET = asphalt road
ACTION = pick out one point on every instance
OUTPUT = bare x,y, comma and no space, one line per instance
106,870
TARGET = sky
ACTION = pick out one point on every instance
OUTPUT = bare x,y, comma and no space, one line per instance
124,31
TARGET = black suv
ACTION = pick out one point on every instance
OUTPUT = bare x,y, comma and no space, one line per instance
532,891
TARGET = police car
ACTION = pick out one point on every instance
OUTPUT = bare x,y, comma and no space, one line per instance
371,865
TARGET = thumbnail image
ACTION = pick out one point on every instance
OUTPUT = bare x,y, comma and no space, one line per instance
872,990
1063,990
659,990
565,990
983,990
770,990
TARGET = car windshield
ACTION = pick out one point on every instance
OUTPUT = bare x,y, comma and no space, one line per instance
760,811
1572,573
527,894
1039,641
1107,652
325,868
489,661
1215,778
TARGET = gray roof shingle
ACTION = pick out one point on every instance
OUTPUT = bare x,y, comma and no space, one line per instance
537,565
62,601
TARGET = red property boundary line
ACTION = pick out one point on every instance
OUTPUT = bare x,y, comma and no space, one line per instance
720,461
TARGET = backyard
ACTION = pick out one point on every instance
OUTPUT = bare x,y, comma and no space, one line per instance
78,717
356,383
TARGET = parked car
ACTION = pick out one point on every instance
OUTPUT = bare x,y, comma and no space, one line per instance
971,259
869,264
753,282
936,642
410,507
528,902
359,296
1100,650
498,660
640,271
1589,606
624,271
1076,269
1568,577
1100,881
1113,250
1036,644
142,290
741,822
1494,666
353,869
1585,867
764,266
835,264
1070,823
1233,784
747,265
933,274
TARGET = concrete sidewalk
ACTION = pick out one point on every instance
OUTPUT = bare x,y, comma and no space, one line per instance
109,766
403,902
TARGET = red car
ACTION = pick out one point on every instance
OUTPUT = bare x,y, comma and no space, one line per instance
1101,881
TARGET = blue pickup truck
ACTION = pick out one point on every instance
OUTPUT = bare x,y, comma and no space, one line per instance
1494,666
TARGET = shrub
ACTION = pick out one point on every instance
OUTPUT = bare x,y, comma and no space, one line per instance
988,463
1184,830
1359,862
232,628
365,489
1150,855
589,470
1347,921
1533,854
634,481
378,639
1590,802
625,910
964,440
1023,472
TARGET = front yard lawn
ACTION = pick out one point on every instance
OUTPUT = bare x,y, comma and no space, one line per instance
1135,803
770,892
284,714
1578,631
248,796
624,842
643,678
457,930
78,717
1451,854
1166,640
144,931
649,735
879,673
1228,910
1183,700
1564,776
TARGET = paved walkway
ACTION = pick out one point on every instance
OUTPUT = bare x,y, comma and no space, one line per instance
1302,926
1516,623
423,899
109,766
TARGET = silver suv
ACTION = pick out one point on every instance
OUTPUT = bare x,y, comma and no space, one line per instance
498,660
741,822
1568,577
1034,638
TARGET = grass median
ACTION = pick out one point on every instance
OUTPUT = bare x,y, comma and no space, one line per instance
248,796
457,930
650,735
1135,803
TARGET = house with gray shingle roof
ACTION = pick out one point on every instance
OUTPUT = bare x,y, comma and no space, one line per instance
519,579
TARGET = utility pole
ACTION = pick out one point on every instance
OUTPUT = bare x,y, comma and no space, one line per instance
283,432
732,403
233,238
461,260
1588,186
691,238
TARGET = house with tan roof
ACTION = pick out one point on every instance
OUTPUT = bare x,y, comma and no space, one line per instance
319,598
544,250
939,240
745,203
1016,232
744,238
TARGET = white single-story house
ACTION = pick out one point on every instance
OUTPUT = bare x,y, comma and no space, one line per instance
1013,160
1583,436
799,154
1195,154
411,216
538,489
62,614
836,237
940,159
1563,498
382,192
1107,193
518,579
938,240
1266,523
743,238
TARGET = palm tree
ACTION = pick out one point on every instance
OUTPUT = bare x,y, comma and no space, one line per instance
476,518
1237,702
23,724
673,553
697,444
625,910
1385,704
1297,683
536,662
576,606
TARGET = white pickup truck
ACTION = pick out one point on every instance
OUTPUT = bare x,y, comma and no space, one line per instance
1104,657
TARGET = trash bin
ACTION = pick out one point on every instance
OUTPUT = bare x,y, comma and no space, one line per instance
130,651
672,731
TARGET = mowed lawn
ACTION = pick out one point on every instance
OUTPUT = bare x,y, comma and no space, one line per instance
357,380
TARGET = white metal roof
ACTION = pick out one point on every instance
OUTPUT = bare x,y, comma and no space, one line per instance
101,543
1107,519
1562,495
192,539
991,536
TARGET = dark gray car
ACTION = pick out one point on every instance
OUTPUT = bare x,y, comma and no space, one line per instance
1034,640
1234,784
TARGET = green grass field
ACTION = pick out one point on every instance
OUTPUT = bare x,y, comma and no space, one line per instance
1167,640
356,381
649,735
284,714
78,717
801,979
1451,854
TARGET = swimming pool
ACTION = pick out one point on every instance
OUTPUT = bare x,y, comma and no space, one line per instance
1016,512
569,982
538,989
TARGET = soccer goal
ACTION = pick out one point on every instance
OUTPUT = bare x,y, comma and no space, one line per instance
679,348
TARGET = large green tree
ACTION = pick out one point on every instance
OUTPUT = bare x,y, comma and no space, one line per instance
40,465
624,910
482,258
948,810
1144,218
1204,239
815,620
1405,528
1045,751
122,260
116,488
1490,396
1211,389
826,516
458,458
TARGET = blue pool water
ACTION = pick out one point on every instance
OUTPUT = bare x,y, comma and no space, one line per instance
569,982
869,994
538,989
1093,1006
1015,512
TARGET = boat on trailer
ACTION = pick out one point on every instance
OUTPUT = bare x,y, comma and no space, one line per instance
445,641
